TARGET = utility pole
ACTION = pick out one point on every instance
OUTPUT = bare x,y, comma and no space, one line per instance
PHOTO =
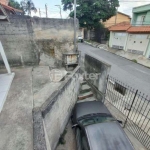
60,10
39,12
75,25
116,16
46,10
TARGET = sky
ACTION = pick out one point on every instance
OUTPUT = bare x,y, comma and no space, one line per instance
54,11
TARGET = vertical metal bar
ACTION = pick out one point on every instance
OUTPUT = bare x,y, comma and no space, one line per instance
130,108
136,129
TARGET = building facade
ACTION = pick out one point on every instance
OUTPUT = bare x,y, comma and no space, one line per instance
118,18
135,37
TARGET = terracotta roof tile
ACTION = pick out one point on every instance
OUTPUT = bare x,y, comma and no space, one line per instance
139,29
123,26
11,8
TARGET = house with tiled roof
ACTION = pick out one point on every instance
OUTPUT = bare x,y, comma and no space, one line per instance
6,10
118,18
134,37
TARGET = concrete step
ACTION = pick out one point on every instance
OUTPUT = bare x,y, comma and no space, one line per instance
83,82
85,87
87,99
85,95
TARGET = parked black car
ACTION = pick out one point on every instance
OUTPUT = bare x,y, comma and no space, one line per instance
97,129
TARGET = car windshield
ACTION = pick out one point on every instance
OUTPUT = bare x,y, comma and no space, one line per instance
96,119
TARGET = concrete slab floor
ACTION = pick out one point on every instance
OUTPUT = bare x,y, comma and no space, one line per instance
69,138
41,96
41,76
16,128
16,122
5,83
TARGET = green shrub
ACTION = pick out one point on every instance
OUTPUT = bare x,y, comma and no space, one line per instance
62,138
134,60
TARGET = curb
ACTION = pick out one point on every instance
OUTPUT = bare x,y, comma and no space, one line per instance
115,54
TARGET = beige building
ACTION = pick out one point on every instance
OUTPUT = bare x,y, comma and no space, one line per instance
118,18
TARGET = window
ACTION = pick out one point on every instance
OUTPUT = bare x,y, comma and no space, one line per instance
142,19
119,88
96,119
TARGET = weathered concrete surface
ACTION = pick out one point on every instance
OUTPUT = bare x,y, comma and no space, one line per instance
41,76
46,60
38,128
69,138
16,123
100,69
41,96
24,38
54,37
57,109
18,42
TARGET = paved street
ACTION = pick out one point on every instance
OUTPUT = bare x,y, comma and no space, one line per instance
124,70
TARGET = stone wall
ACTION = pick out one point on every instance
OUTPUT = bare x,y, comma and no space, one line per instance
25,38
50,120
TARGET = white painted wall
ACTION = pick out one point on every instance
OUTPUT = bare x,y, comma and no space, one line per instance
138,43
81,32
110,39
4,58
118,39
147,54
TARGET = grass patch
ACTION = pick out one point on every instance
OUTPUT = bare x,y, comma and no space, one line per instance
134,60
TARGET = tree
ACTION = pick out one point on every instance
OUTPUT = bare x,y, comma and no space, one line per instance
28,6
90,12
15,4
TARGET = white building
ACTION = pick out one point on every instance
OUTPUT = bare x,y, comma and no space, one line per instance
134,38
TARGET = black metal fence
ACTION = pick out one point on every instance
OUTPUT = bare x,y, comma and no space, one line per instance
134,108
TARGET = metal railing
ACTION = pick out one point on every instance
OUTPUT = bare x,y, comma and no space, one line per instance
134,108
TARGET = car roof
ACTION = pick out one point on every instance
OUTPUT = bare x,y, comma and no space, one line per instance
93,107
107,136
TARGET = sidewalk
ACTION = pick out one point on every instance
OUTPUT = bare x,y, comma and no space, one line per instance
130,56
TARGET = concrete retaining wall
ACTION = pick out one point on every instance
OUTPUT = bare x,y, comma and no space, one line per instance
54,36
18,42
101,70
50,120
24,38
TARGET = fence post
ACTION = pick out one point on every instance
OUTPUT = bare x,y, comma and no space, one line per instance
106,88
130,108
